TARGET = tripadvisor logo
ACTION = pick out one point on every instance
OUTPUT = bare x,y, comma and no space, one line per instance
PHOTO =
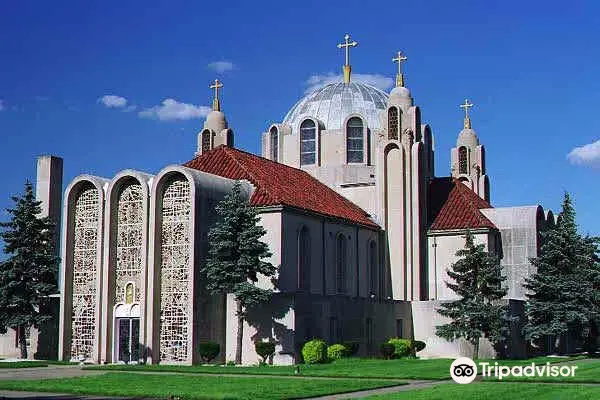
464,370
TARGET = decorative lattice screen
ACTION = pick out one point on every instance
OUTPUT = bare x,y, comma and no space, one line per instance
87,219
175,285
130,219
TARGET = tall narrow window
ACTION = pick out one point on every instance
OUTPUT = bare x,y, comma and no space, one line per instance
354,140
462,160
393,123
274,144
205,141
304,259
308,142
372,267
341,264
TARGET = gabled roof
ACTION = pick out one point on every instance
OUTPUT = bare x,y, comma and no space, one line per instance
454,206
279,184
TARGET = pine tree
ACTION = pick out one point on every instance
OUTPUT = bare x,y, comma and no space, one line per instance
563,293
235,258
477,279
28,275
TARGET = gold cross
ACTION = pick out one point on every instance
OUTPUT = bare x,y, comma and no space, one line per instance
347,45
216,104
399,76
466,106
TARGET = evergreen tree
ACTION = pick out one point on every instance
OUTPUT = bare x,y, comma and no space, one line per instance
28,275
477,280
563,293
235,258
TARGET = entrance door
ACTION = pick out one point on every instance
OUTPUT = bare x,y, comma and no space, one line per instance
128,339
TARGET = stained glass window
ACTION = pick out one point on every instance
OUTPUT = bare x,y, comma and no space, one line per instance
354,140
274,144
463,165
85,279
308,142
304,259
393,123
175,285
341,258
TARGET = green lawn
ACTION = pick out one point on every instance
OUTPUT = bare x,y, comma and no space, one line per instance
345,368
196,387
588,371
497,391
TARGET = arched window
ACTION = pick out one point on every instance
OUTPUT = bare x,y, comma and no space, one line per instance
304,259
274,144
372,267
308,142
354,140
393,123
205,141
463,165
341,264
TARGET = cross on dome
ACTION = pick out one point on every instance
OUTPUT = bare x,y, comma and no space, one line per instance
216,104
466,106
347,45
399,76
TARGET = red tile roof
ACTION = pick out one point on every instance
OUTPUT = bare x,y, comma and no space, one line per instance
279,184
454,206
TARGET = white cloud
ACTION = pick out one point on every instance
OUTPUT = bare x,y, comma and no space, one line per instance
587,155
112,101
221,66
379,81
172,110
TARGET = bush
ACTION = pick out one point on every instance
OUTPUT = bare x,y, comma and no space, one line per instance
402,347
352,348
337,351
387,350
265,350
208,351
419,345
314,352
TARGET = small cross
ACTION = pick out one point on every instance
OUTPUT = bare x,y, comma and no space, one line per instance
217,85
399,60
347,45
466,106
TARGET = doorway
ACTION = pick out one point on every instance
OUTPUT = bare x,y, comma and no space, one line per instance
128,340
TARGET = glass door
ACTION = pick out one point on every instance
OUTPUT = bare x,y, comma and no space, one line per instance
128,339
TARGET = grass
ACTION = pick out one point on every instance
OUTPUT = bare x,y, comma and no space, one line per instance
497,391
196,387
587,371
345,368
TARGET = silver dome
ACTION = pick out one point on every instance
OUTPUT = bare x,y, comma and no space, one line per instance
332,103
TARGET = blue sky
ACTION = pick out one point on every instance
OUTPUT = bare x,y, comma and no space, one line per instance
531,68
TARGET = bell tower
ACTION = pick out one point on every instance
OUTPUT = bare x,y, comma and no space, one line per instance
216,131
468,158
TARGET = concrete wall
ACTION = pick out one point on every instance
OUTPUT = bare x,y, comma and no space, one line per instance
442,254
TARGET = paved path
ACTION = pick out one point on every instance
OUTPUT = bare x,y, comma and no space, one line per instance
49,372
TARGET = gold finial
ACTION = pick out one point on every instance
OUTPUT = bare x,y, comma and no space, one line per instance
216,104
399,75
466,106
346,68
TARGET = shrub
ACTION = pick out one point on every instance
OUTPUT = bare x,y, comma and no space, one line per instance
352,348
402,347
419,345
314,352
387,350
208,351
265,350
337,351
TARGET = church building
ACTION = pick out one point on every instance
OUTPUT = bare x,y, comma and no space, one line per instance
360,227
